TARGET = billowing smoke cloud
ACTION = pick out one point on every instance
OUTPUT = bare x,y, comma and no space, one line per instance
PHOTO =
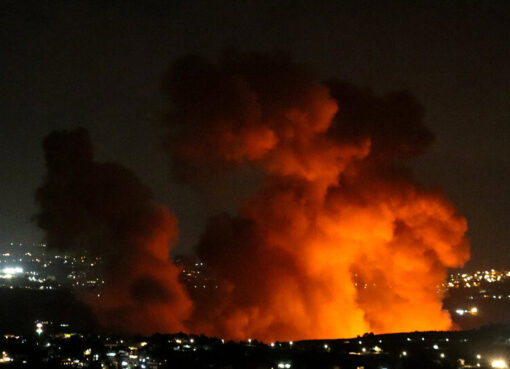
339,240
104,209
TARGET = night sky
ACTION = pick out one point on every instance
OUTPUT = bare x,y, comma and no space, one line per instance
66,64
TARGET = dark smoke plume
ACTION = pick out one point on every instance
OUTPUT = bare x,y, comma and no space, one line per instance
339,239
104,208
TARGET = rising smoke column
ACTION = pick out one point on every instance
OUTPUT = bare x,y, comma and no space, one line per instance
103,208
339,240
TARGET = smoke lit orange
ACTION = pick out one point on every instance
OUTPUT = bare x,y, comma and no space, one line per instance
103,209
339,240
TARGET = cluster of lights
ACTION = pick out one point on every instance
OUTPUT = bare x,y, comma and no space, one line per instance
133,358
472,311
195,276
468,280
9,272
39,328
5,358
124,358
34,259
12,270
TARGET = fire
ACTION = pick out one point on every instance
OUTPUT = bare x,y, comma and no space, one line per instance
339,239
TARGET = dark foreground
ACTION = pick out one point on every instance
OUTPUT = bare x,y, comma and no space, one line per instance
60,347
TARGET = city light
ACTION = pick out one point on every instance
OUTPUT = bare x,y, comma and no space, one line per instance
12,270
39,328
22,273
475,279
472,311
129,353
6,359
498,363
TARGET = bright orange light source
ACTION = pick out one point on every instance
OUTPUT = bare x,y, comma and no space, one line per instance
498,363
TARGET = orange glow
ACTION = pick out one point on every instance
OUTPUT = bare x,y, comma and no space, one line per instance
339,240
139,298
104,209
